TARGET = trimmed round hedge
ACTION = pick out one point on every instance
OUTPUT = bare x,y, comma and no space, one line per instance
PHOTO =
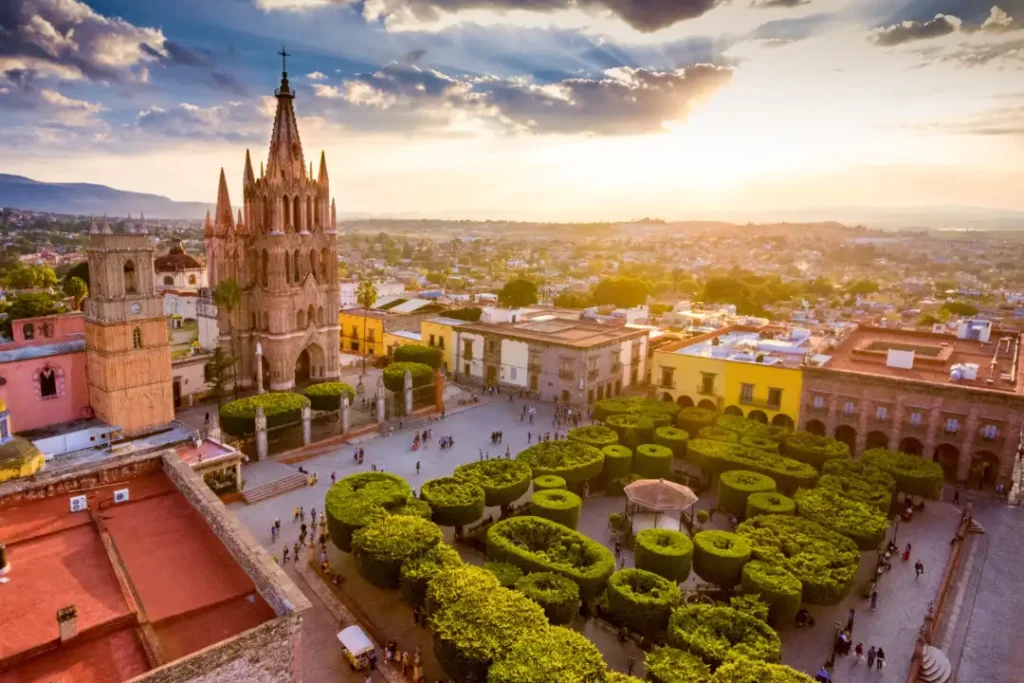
747,671
327,395
394,375
735,486
642,600
829,508
672,438
694,419
238,418
719,556
661,412
573,461
448,586
669,665
536,544
859,469
769,504
507,574
652,461
417,572
777,587
619,677
914,476
548,482
751,604
716,433
557,595
593,435
453,502
722,634
761,443
664,552
855,488
718,457
824,561
559,506
414,353
361,499
617,487
381,548
552,654
744,426
632,429
503,481
813,449
618,461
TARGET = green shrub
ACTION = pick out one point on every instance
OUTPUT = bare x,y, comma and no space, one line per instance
619,677
573,461
507,574
669,665
813,449
664,552
744,426
854,488
616,487
703,517
238,418
618,461
672,438
641,600
858,521
361,499
394,376
858,469
538,545
824,561
454,502
761,443
557,595
769,504
414,353
914,476
414,507
747,671
479,628
661,412
715,433
694,419
382,547
719,556
327,395
632,429
562,507
449,585
548,482
503,481
718,457
750,604
777,587
552,654
651,461
722,634
417,572
735,486
594,435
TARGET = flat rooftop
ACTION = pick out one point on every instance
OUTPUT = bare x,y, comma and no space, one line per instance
748,345
149,579
574,333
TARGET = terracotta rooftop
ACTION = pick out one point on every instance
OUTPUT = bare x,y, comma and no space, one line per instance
574,333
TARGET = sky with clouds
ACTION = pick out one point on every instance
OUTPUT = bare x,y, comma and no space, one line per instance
530,109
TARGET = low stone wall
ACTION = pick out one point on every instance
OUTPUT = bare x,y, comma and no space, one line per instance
87,476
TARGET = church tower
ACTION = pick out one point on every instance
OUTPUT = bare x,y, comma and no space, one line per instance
128,353
281,251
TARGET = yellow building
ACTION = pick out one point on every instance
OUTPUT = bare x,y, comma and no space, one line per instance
735,371
362,333
18,457
392,340
439,333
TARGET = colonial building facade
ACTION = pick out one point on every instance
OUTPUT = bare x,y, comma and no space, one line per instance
282,253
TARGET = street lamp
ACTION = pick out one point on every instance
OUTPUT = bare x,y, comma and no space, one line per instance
835,643
896,527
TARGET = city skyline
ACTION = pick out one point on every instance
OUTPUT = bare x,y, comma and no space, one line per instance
605,110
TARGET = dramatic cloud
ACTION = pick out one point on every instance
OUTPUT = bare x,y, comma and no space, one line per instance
1008,52
999,22
233,122
21,91
909,31
778,3
316,76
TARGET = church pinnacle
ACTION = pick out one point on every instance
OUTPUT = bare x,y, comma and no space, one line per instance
224,219
285,162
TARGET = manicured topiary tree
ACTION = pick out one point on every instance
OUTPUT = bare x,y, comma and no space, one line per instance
414,353
361,499
769,504
382,547
761,443
449,585
694,419
327,395
594,435
238,418
417,572
618,461
669,665
454,502
557,595
573,461
651,461
858,469
394,375
747,671
854,488
664,552
719,556
507,574
859,521
660,412
717,457
553,653
538,545
813,449
619,677
824,561
558,506
716,433
617,487
672,438
642,600
743,426
633,429
548,482
777,587
751,604
735,486
503,481
914,476
722,634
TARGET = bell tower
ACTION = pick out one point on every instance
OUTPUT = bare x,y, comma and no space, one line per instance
128,353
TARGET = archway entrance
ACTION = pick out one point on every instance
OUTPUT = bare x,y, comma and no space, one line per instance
816,427
684,402
302,368
984,470
877,440
911,445
733,410
266,372
706,403
847,435
759,416
666,397
309,365
783,420
948,456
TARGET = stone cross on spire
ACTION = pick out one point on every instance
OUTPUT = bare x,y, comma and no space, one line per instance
285,162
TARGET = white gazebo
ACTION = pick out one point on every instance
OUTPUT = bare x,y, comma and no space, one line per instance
651,501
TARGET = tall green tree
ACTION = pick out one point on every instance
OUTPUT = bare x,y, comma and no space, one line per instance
77,290
366,295
518,293
29,305
622,292
220,373
228,295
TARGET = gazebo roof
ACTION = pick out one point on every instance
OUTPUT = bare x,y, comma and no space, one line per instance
660,495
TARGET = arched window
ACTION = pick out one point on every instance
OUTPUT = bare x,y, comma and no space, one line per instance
168,280
287,269
253,321
300,319
325,262
309,216
137,338
297,214
129,278
47,382
266,321
320,316
284,213
192,278
295,264
313,263
29,331
311,314
264,267
266,214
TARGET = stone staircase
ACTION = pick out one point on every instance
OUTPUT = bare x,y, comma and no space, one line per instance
274,488
975,528
935,667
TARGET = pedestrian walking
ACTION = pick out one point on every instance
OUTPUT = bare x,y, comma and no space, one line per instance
849,620
295,555
302,514
416,615
880,658
622,563
956,497
508,453
417,467
618,548
859,651
295,516
285,555
630,663
334,477
871,656
874,600
529,438
918,569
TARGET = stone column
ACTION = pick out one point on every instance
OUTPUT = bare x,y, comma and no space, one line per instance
238,476
344,414
933,425
380,399
899,414
963,466
259,368
307,424
863,423
214,432
261,434
439,382
407,393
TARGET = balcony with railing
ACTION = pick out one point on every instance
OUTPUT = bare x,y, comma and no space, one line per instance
566,374
533,365
592,374
760,402
616,367
705,390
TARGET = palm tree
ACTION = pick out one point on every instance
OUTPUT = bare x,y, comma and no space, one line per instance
227,295
366,295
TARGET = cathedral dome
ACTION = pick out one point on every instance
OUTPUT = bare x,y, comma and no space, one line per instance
176,259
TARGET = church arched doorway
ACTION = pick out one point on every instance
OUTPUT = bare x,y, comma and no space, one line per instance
847,435
816,427
309,365
266,372
948,456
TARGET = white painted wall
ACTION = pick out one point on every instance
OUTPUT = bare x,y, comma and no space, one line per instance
476,366
209,332
625,357
515,356
185,306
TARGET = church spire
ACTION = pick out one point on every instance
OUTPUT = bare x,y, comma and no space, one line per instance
225,221
321,178
285,162
208,226
248,180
